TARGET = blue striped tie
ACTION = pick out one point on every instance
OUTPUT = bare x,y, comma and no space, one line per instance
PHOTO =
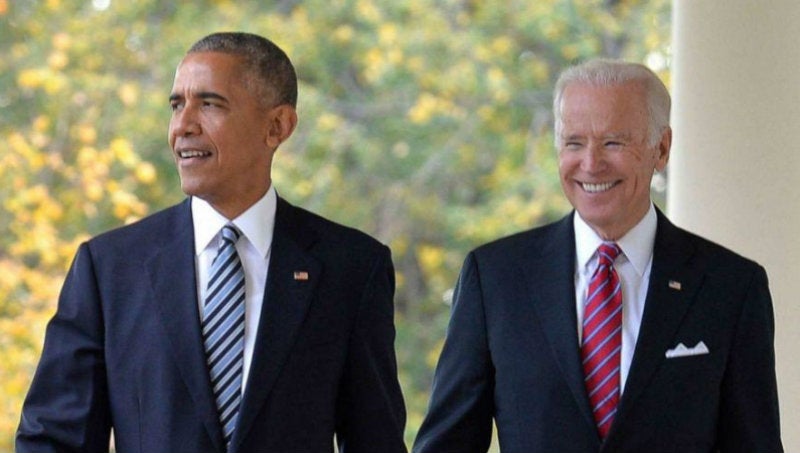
223,330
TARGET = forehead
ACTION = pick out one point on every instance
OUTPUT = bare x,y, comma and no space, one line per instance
619,106
206,70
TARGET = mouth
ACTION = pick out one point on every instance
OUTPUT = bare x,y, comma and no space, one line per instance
192,153
597,187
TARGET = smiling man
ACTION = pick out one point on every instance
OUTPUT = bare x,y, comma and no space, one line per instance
611,330
234,321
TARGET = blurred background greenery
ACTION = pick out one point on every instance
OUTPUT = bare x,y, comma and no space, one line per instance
423,122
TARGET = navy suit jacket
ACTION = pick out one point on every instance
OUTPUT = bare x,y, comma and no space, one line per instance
512,353
124,349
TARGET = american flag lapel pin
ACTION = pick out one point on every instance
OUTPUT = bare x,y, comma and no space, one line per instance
676,285
300,275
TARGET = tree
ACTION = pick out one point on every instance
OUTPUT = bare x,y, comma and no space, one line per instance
424,122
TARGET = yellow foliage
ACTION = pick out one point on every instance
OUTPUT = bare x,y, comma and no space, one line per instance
394,56
399,245
128,93
329,122
424,109
483,53
539,70
415,64
53,83
433,354
41,123
57,60
368,11
22,148
498,84
61,41
431,258
387,34
502,46
93,189
554,30
145,173
31,78
86,134
122,150
570,51
375,64
126,205
399,279
429,105
343,34
304,188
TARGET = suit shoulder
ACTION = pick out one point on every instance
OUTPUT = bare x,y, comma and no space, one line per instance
525,240
129,237
336,233
718,256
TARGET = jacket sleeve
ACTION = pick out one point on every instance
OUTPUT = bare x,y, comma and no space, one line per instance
749,419
459,418
370,411
67,409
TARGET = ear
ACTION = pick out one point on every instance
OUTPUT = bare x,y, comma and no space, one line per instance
663,149
281,123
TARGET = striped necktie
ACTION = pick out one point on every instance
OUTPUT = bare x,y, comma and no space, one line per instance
602,338
223,330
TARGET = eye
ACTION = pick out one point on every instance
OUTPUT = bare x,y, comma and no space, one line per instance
614,144
572,145
174,105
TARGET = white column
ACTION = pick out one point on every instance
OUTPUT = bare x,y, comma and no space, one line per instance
734,173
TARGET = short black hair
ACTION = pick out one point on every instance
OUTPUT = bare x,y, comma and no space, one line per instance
264,59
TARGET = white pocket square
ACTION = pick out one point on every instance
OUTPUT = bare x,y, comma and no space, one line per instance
682,351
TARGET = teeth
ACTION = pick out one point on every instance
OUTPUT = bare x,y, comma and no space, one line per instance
187,154
594,188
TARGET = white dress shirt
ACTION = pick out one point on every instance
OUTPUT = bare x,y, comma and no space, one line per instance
633,267
257,225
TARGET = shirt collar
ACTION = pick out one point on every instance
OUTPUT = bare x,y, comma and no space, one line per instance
636,244
257,223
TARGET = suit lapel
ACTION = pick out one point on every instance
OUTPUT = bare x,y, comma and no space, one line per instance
292,276
552,280
665,307
172,276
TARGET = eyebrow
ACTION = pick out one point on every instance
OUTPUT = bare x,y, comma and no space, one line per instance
618,136
201,95
610,136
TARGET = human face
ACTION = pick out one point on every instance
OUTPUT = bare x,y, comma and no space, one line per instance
220,133
604,159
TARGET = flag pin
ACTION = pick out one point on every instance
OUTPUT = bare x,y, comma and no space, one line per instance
300,275
675,285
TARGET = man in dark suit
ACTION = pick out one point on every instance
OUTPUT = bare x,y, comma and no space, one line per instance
611,330
297,350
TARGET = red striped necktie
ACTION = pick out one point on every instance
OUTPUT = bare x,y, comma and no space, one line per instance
602,338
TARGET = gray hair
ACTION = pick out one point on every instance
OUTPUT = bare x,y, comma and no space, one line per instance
605,72
264,60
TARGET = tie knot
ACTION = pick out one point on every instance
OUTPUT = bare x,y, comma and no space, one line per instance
608,252
230,234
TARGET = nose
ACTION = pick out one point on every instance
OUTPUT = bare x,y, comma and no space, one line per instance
184,122
593,160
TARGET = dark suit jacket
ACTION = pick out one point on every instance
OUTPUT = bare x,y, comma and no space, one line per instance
124,350
512,353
